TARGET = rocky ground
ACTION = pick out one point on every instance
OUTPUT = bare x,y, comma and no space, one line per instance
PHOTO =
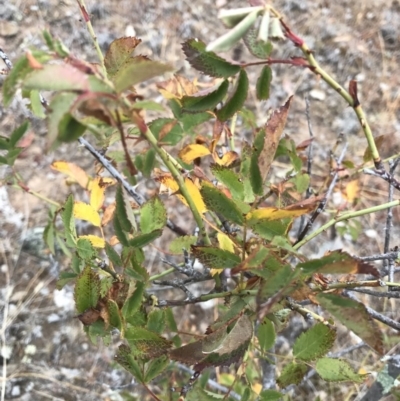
47,355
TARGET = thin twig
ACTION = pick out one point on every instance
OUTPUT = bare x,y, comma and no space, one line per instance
382,256
381,294
6,60
139,199
382,173
322,204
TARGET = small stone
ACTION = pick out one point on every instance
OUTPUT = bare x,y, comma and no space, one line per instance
317,94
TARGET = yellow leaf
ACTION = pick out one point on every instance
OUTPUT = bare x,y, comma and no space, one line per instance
272,213
96,241
97,193
227,159
83,211
352,191
225,243
114,240
168,184
213,272
193,151
73,171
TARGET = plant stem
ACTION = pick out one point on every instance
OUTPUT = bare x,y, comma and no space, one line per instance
163,274
90,29
343,217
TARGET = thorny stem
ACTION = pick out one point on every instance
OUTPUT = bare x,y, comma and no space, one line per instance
343,217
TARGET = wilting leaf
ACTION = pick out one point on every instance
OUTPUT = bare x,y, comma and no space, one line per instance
337,370
207,62
167,130
137,69
263,83
292,373
198,103
218,348
118,53
153,215
193,151
128,361
83,211
271,135
177,245
177,87
355,317
236,102
218,202
229,39
272,213
232,17
73,171
145,343
314,343
215,258
338,262
87,290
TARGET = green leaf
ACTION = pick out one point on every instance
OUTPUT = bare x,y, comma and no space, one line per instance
153,215
355,317
229,39
215,258
133,303
155,367
268,229
219,203
270,395
177,245
65,278
145,343
201,103
85,249
230,179
137,69
257,48
114,314
19,71
18,134
127,360
119,232
174,135
301,181
123,210
337,370
60,105
70,129
141,240
119,52
266,335
314,343
234,310
67,216
36,104
156,321
207,62
113,255
292,373
263,83
237,100
87,290
245,172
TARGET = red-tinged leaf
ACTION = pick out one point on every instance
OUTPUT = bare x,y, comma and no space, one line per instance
353,92
236,102
57,77
272,133
207,62
355,317
299,62
304,144
338,262
119,52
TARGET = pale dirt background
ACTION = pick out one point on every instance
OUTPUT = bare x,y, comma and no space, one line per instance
47,355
